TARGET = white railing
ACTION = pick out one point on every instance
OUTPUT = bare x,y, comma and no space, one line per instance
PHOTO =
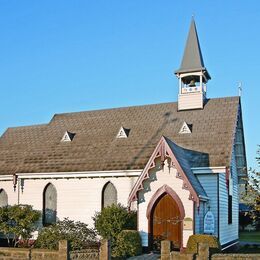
193,89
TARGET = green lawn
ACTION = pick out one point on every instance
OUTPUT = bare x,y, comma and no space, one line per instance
252,236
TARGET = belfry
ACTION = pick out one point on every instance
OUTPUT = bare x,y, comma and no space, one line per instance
193,75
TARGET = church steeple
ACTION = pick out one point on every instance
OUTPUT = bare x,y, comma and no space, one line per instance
192,74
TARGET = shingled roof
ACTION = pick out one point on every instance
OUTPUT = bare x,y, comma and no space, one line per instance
95,147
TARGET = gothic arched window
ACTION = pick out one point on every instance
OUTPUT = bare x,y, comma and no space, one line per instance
109,195
49,204
3,198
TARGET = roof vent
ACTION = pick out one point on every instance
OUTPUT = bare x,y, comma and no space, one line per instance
186,128
67,137
123,132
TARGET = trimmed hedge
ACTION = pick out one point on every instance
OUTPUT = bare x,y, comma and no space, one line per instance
128,244
194,240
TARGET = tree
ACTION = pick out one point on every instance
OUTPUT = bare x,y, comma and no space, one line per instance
252,196
18,222
76,232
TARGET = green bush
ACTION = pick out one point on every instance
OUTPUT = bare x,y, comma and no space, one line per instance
17,223
112,220
194,240
128,243
77,233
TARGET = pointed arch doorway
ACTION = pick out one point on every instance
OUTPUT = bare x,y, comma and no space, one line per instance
165,214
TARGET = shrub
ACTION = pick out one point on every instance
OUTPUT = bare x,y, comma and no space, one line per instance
112,220
17,222
194,240
77,233
128,243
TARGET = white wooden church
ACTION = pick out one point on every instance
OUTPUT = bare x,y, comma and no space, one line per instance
178,164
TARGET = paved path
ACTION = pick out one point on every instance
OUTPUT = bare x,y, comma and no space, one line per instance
150,256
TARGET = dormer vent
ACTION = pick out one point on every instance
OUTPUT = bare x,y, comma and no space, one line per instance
186,128
123,132
67,137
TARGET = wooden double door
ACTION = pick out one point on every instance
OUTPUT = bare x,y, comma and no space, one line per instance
165,222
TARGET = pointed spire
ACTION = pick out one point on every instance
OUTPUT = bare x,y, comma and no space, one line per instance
192,59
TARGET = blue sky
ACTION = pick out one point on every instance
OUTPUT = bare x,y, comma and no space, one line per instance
63,56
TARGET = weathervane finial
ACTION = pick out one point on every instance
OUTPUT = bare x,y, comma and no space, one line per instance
240,89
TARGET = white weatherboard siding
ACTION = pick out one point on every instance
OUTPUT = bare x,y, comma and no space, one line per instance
158,178
77,199
190,101
228,232
209,183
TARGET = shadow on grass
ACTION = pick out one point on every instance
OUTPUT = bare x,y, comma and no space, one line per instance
249,249
249,236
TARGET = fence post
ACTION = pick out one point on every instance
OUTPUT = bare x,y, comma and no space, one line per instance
165,249
63,250
105,250
203,251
